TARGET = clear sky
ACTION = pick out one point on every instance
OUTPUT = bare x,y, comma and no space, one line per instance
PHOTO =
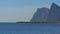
21,10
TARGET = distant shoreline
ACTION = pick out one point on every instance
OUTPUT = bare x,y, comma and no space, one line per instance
37,22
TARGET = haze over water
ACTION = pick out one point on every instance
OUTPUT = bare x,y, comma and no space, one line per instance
21,10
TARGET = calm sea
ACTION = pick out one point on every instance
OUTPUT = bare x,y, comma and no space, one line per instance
16,28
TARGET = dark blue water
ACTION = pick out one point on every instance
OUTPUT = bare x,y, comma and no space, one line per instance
15,28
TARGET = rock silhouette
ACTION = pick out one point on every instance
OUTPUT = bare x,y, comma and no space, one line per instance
40,15
54,14
47,15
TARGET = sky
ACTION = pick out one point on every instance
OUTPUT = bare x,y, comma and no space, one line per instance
21,10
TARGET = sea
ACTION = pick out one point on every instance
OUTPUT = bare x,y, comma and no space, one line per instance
29,28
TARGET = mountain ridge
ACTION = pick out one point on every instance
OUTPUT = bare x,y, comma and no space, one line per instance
47,15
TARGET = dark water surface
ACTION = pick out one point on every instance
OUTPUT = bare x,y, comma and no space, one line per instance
16,28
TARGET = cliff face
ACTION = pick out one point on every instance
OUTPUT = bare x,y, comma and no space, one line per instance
47,15
54,13
40,15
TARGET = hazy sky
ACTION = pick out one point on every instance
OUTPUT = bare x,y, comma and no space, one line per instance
21,10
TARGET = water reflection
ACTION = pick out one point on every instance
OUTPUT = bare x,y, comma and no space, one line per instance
13,28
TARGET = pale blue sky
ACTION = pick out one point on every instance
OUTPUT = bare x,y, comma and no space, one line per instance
21,10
